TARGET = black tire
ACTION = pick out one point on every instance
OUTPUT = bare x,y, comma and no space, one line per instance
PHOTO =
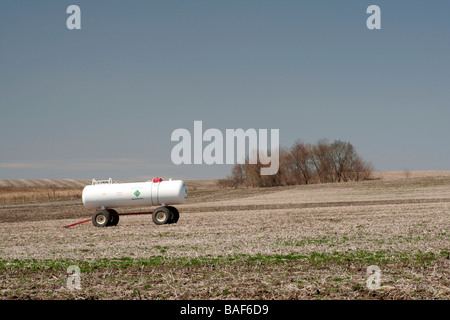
114,217
161,215
101,219
175,214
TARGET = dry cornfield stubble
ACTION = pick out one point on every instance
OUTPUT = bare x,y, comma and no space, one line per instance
293,242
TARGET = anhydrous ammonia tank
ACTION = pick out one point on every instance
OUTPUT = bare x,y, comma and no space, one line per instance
106,195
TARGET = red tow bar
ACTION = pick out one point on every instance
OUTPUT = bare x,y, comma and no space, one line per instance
120,214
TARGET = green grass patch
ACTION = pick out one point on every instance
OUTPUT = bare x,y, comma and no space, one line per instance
313,258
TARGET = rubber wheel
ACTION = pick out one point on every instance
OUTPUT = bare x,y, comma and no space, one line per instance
175,214
161,215
101,219
114,217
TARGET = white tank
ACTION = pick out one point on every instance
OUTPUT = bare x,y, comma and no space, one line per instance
108,194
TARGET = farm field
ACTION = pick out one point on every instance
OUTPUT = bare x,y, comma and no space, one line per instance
293,242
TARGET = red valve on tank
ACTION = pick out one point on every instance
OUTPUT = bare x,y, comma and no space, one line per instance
157,180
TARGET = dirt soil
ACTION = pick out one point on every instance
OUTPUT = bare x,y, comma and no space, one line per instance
293,242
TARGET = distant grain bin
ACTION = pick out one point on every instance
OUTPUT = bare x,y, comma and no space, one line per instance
105,195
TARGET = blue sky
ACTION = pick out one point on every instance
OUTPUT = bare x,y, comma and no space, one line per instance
103,101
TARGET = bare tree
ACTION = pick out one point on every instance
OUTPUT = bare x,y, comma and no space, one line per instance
342,155
361,170
302,162
238,175
322,161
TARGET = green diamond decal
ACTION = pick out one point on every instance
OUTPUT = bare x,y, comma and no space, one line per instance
137,193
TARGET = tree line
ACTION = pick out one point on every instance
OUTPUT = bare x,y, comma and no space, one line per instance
305,163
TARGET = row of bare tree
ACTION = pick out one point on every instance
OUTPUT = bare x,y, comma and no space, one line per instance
305,163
